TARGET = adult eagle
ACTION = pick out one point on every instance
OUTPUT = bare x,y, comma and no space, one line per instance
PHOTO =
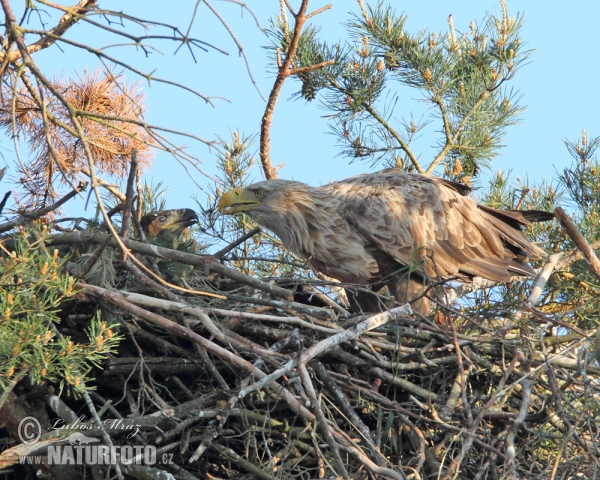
392,227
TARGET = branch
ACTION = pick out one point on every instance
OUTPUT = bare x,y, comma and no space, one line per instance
543,278
117,299
284,71
310,68
451,142
396,135
348,410
329,343
4,200
574,256
322,421
22,219
580,242
128,207
235,243
89,236
71,17
239,45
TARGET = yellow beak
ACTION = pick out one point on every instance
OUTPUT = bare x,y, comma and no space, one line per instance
237,200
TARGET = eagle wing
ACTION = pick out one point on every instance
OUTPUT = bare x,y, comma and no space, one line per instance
431,224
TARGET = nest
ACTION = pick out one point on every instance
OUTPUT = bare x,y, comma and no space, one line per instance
239,379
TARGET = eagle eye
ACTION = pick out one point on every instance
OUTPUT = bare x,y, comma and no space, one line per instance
162,218
258,193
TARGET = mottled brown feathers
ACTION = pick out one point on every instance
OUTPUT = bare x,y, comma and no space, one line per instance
368,228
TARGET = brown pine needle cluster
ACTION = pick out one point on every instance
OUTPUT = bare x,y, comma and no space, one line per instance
110,111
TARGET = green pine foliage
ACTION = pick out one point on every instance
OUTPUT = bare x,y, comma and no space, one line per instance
33,290
261,255
463,77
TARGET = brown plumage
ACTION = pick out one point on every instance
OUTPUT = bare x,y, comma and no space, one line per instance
367,229
168,221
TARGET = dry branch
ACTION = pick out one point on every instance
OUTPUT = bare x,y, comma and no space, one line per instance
208,262
119,300
23,218
580,242
71,16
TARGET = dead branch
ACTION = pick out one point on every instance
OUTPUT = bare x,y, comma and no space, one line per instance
23,218
118,300
542,279
224,251
580,242
208,262
128,206
71,16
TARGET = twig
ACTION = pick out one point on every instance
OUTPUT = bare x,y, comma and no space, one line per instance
468,443
128,207
222,334
348,410
203,354
354,332
90,236
71,17
511,454
405,384
92,260
245,464
574,256
372,466
7,390
239,45
22,219
322,421
105,436
455,393
180,306
183,332
316,293
580,242
232,245
329,343
4,200
403,145
449,145
146,280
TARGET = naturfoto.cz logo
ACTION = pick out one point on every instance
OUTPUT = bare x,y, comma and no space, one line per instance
80,449
101,454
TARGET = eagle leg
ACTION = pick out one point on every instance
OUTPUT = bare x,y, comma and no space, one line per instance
407,290
412,291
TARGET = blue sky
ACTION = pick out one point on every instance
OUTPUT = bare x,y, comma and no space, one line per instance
559,86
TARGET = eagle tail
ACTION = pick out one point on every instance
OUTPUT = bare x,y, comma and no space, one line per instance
536,215
508,223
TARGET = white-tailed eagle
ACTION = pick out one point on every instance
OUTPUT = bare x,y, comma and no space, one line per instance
369,228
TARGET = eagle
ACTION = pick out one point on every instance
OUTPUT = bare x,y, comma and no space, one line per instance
174,221
399,229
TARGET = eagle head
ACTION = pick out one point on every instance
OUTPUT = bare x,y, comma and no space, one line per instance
173,221
262,199
241,200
